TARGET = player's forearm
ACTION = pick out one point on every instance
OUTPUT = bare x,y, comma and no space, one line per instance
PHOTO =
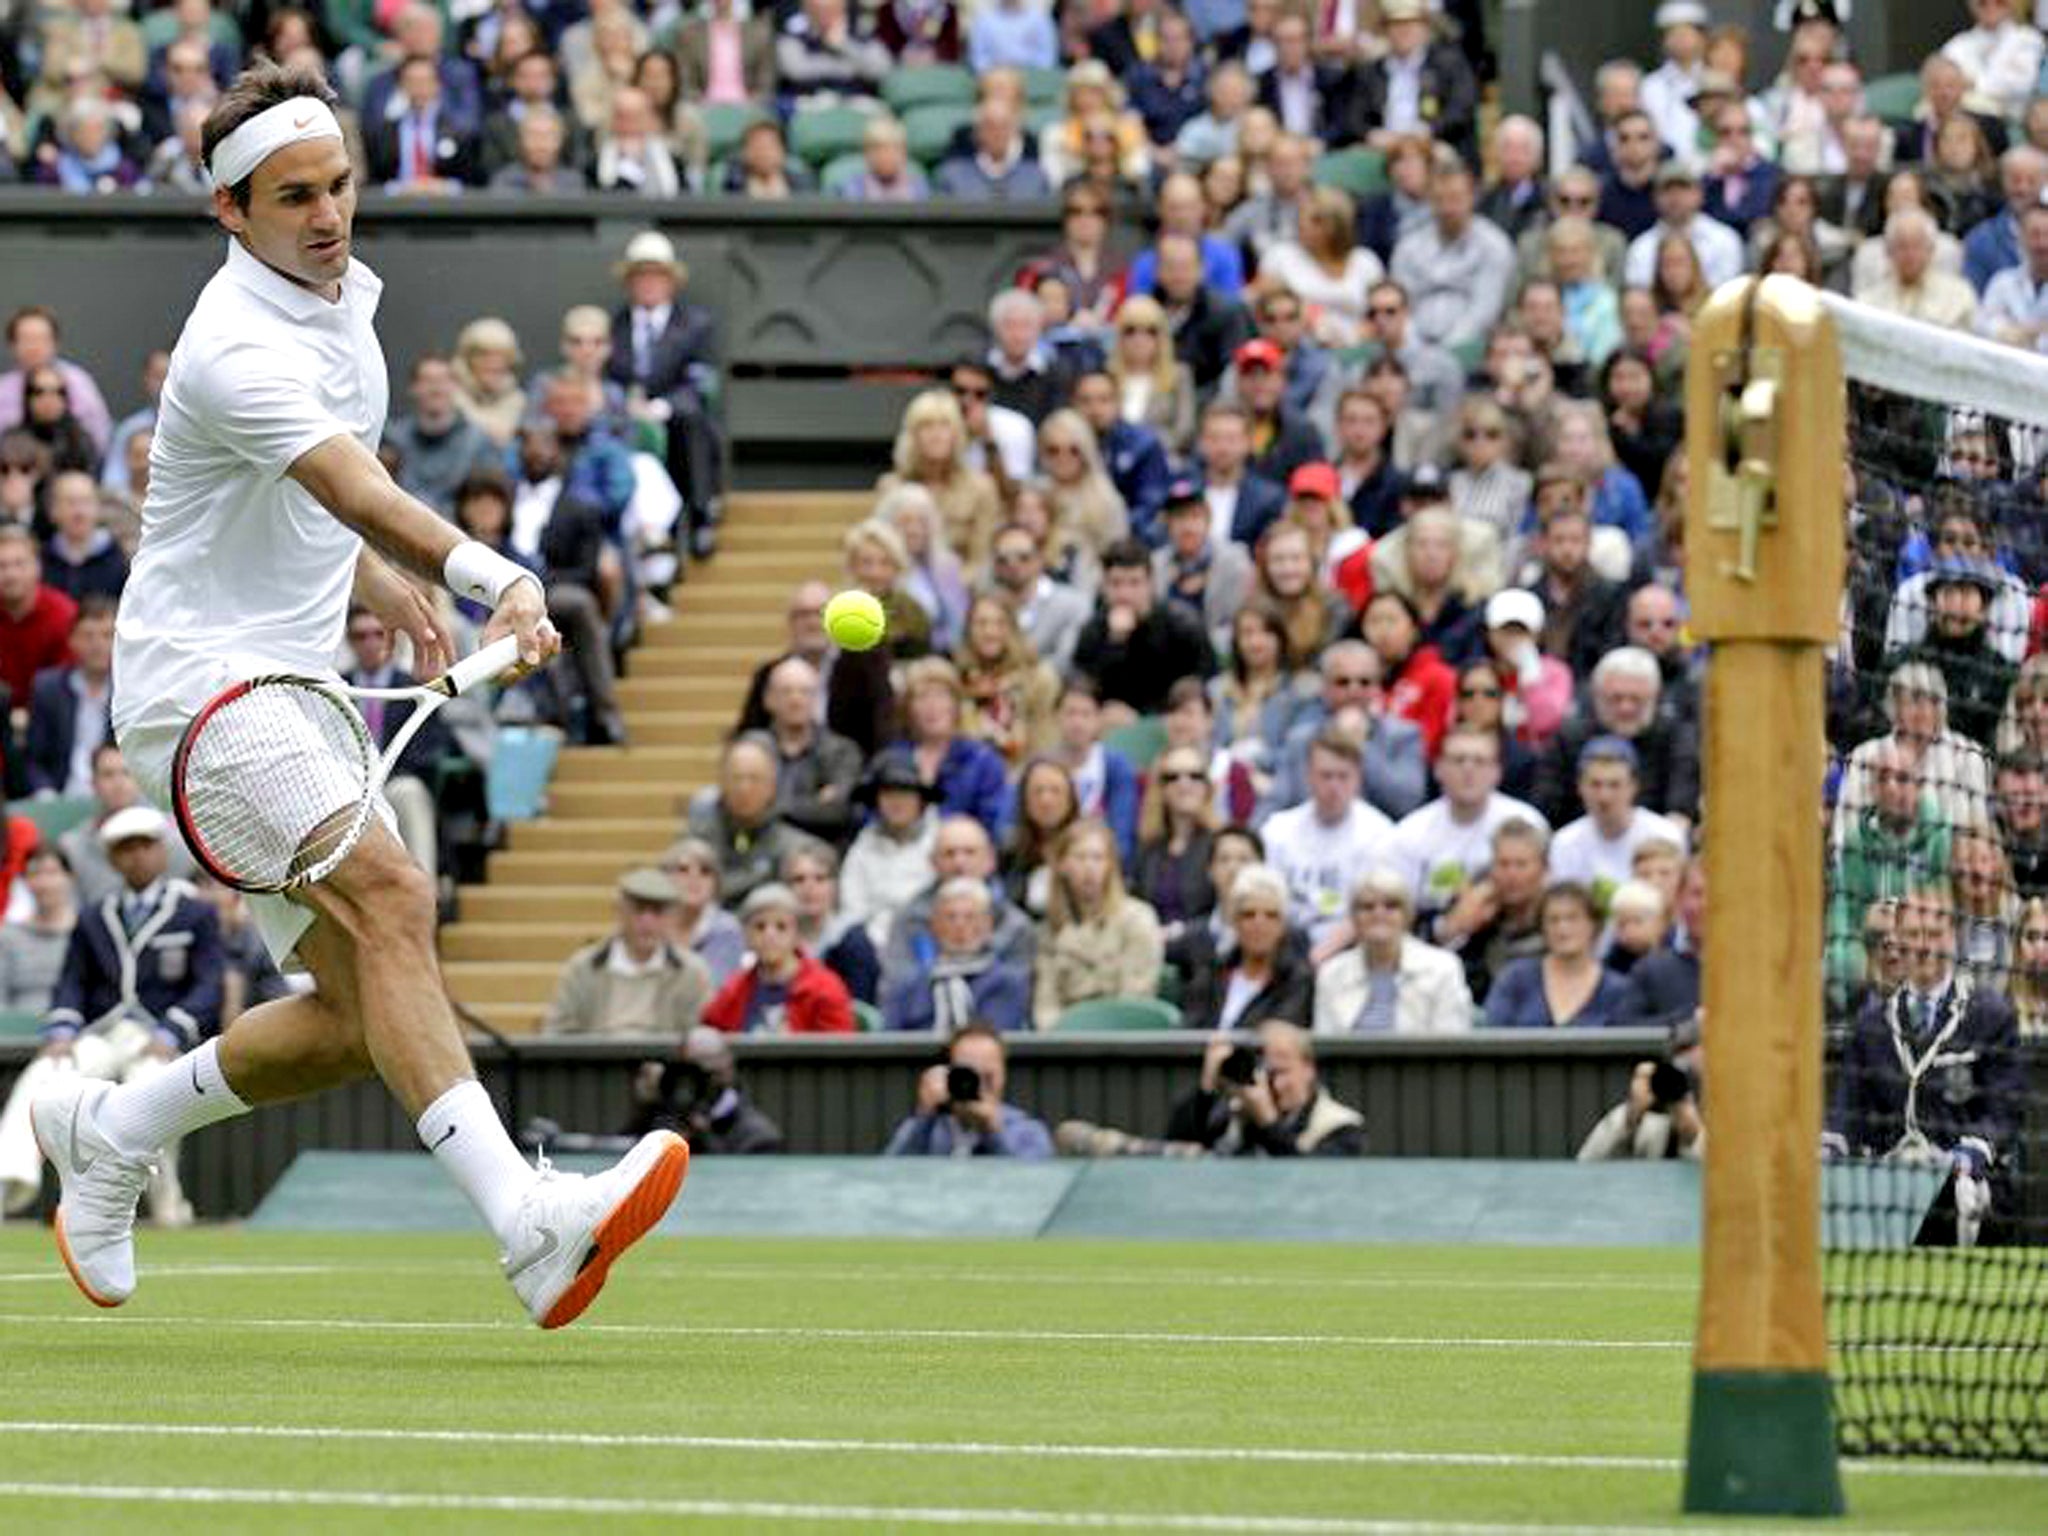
347,479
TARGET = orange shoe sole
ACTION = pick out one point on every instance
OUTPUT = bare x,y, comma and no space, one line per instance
624,1225
77,1279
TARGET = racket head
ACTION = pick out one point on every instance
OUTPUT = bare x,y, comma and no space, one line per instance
273,783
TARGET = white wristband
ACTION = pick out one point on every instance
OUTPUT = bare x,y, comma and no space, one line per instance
476,571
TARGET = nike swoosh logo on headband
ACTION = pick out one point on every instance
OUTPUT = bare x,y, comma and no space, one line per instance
302,122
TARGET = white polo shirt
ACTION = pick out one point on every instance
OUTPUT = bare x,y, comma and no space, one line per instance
240,570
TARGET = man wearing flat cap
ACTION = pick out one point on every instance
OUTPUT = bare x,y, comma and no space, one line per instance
664,354
635,982
141,984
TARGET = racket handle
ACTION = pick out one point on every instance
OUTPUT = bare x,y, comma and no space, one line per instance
500,656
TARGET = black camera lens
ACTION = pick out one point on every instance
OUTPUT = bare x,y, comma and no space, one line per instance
963,1084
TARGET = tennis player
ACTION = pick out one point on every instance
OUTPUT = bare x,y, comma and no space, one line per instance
267,515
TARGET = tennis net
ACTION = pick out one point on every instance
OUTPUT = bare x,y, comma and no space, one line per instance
1935,1211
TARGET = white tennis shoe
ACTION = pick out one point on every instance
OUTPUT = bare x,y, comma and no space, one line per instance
96,1216
570,1228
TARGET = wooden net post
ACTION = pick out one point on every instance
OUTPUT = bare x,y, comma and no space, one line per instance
1766,447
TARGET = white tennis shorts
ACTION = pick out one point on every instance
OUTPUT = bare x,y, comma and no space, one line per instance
280,921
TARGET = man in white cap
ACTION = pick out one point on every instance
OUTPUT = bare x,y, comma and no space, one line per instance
268,514
1667,91
141,983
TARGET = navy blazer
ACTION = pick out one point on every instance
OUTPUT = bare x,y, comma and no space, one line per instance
52,728
1136,460
1259,505
681,365
166,974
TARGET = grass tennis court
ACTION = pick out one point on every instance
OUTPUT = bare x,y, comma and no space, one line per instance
388,1383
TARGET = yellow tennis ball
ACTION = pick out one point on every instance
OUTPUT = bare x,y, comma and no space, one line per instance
855,621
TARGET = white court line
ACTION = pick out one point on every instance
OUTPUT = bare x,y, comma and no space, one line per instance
183,1272
835,1514
894,1335
977,1449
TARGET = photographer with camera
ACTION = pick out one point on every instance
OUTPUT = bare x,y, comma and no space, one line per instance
1661,1116
960,1109
1267,1101
698,1095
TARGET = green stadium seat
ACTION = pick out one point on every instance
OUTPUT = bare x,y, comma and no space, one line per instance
930,130
1171,986
1045,87
19,1023
54,815
822,134
867,1018
1892,97
723,125
925,85
841,172
1117,1015
1361,172
1041,116
1140,741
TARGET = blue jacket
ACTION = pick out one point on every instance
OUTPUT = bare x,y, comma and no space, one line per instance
1259,505
1000,994
167,974
1990,248
1021,1135
52,728
600,472
1167,109
1222,268
969,780
1516,1000
1137,464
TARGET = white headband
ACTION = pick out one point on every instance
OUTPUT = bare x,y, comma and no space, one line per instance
289,122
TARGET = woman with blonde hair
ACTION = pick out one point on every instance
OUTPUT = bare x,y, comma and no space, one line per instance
931,451
1489,486
486,365
1987,904
1092,94
2028,989
1010,693
1326,267
1614,496
876,563
1087,508
965,775
1154,387
1177,824
1096,941
1284,581
933,575
1446,567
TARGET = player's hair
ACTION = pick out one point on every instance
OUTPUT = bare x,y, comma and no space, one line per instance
40,312
258,88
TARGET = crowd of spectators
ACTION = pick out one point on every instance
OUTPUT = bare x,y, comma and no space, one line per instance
1287,613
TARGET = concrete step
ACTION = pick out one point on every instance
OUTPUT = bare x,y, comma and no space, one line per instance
648,764
745,595
476,982
744,507
588,835
555,867
680,728
708,641
520,943
681,662
615,801
685,688
541,904
790,561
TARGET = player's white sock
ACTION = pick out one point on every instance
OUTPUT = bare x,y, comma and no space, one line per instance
141,1116
462,1129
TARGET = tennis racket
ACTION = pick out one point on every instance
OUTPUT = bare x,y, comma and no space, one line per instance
276,779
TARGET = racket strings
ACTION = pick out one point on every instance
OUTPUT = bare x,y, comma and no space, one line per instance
276,783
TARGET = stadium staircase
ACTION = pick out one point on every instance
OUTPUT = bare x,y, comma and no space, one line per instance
549,890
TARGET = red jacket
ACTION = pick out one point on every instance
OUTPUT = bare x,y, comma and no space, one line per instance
39,638
818,1004
1424,690
18,839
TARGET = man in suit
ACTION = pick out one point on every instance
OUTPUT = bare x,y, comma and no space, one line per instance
1306,96
418,826
1131,451
67,712
536,85
1130,38
1242,504
141,983
1854,200
419,34
1418,86
419,145
1516,200
1206,577
1943,85
663,348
